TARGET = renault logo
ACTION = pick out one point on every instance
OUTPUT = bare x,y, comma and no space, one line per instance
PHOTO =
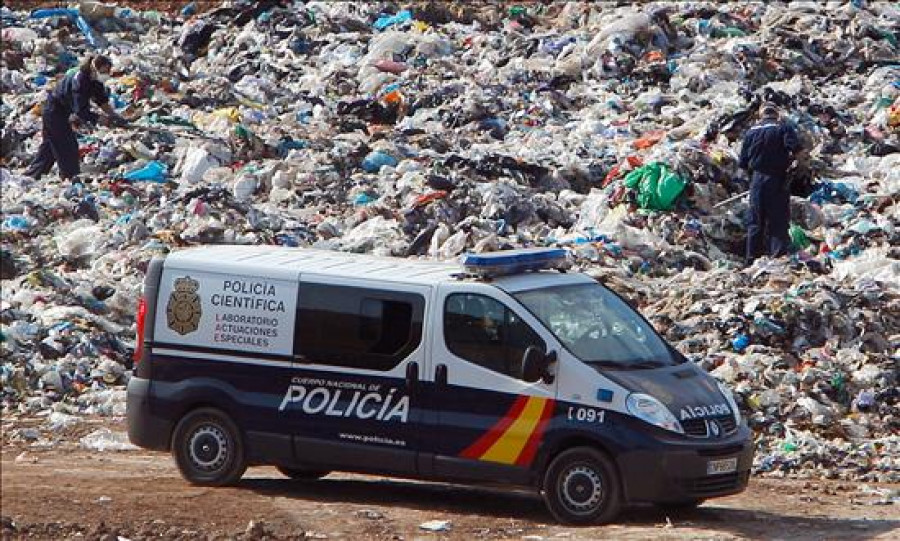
713,428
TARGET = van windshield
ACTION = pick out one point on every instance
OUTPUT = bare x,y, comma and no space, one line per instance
598,327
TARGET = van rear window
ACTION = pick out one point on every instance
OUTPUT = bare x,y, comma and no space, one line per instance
357,327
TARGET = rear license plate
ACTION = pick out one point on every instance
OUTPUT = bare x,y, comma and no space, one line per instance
726,465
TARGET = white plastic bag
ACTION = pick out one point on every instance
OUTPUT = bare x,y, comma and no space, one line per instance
105,439
197,161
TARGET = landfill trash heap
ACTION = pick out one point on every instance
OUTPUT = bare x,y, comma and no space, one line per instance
429,129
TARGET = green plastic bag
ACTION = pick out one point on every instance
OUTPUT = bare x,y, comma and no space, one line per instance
657,186
798,237
728,32
241,131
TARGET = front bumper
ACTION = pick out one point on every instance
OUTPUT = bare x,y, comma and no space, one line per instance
145,429
676,471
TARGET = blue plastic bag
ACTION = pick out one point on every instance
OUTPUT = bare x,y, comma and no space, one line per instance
152,172
284,147
376,160
833,192
740,342
363,199
73,15
386,21
16,222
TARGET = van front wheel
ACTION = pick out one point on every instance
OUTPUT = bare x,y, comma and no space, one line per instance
208,448
581,486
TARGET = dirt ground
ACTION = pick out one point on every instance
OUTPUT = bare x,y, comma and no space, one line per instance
62,491
170,6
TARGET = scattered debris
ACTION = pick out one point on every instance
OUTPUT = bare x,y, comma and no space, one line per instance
611,130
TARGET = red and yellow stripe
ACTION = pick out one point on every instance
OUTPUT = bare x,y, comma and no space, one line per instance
514,439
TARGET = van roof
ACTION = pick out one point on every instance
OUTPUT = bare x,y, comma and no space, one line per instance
282,262
278,262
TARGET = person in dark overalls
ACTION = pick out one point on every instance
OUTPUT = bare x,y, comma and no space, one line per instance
72,96
767,152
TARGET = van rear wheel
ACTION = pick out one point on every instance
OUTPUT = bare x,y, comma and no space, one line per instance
208,448
581,486
299,474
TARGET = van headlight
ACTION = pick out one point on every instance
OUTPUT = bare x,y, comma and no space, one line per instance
651,410
729,397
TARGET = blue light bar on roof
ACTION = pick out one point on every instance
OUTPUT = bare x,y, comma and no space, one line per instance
515,261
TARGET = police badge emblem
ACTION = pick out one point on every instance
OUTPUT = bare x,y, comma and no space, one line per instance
183,310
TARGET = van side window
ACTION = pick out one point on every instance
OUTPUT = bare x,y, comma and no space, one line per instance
357,327
483,331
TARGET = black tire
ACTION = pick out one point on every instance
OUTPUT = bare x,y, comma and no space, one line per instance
684,505
299,474
208,448
581,486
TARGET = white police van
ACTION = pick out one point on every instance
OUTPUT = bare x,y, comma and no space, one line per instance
502,370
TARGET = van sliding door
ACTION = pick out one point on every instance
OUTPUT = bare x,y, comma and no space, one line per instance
352,403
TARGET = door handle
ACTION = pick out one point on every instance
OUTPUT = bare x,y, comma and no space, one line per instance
440,374
412,375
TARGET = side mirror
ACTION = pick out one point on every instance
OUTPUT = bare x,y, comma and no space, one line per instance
550,370
534,364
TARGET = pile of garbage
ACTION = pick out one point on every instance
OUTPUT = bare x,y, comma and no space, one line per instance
429,129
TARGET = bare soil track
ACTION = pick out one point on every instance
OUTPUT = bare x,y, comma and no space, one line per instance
63,491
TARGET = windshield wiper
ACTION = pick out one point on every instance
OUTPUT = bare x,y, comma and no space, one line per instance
646,364
627,365
607,364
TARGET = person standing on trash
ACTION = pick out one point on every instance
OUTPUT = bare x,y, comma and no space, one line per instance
767,152
67,104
